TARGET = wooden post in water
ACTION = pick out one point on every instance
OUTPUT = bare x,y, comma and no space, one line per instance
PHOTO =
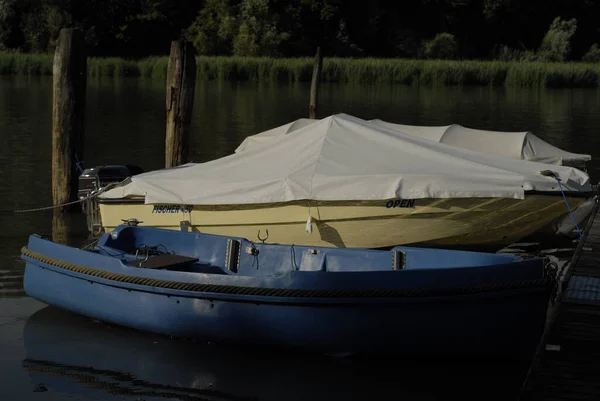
181,79
314,85
60,228
69,74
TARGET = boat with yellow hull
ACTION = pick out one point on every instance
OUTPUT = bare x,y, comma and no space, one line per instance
460,223
344,182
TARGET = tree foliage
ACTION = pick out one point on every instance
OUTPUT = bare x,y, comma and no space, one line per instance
557,41
378,28
592,55
443,46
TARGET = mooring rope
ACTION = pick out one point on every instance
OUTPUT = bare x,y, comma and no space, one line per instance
39,209
549,173
78,164
568,207
91,196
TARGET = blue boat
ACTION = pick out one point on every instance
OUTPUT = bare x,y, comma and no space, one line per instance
328,300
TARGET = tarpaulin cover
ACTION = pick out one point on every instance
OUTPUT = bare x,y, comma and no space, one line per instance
346,158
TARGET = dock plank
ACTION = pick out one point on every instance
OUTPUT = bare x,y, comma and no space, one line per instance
567,364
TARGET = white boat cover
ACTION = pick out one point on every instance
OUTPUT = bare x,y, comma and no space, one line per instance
345,158
516,145
266,136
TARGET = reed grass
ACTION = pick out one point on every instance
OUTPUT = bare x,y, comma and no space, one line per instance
344,70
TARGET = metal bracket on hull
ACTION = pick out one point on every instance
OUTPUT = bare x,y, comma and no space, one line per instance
398,260
185,225
265,238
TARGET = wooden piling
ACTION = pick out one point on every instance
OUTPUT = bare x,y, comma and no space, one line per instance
314,85
181,79
60,227
69,74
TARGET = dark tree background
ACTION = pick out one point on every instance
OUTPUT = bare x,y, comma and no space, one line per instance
473,29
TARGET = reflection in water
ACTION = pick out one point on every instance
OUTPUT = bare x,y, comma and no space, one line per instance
74,355
122,384
69,229
11,283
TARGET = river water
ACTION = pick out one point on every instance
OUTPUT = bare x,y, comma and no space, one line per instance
51,355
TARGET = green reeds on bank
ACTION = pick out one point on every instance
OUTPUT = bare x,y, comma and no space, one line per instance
344,70
13,63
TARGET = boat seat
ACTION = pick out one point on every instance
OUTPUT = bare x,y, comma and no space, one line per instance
167,261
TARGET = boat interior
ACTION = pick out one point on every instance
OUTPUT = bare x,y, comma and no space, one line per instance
152,248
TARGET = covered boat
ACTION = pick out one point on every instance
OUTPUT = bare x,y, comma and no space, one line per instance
325,300
344,182
523,145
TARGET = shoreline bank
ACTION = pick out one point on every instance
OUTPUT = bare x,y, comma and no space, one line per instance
343,70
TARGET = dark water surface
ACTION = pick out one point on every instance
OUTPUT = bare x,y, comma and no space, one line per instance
46,354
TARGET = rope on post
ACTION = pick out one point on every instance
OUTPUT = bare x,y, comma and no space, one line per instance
549,173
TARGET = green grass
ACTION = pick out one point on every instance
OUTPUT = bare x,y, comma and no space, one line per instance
367,70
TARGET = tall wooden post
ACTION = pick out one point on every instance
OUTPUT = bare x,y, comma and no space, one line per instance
181,79
314,85
60,228
69,76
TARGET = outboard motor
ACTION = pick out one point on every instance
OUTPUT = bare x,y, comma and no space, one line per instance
94,178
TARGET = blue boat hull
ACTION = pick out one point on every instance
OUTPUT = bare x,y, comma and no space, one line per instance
509,323
479,309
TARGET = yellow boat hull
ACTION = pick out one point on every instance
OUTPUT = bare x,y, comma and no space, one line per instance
459,223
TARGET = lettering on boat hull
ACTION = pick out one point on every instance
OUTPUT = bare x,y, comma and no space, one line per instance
172,209
400,203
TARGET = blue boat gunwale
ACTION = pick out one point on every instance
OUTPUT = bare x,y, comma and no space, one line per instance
259,289
124,266
532,286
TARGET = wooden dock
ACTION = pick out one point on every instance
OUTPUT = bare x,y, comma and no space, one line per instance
567,364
